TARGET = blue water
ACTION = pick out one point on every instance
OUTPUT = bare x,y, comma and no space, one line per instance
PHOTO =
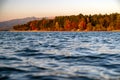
59,56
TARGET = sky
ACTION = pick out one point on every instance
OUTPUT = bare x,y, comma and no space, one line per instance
13,9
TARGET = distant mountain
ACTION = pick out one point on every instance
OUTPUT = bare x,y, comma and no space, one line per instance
7,25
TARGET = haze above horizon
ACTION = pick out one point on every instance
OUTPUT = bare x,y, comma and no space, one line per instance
13,9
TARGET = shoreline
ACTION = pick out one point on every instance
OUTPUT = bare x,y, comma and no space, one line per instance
66,31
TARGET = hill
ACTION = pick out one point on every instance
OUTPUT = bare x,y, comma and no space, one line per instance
7,25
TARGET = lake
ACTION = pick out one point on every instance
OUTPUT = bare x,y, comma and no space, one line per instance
59,55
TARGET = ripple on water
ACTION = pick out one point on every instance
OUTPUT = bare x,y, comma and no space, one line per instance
9,58
59,56
27,50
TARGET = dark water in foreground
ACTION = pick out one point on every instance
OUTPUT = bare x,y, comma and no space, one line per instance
59,56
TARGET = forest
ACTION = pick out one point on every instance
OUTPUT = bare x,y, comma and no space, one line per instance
96,22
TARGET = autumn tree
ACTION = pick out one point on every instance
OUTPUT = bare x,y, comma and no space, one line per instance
82,24
89,27
67,25
56,26
118,22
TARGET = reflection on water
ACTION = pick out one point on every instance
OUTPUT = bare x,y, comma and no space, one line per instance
60,55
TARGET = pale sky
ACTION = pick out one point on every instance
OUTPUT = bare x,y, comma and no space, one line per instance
13,9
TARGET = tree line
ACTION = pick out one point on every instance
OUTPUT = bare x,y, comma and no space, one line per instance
97,22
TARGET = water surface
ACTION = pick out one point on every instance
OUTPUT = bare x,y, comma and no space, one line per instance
59,56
